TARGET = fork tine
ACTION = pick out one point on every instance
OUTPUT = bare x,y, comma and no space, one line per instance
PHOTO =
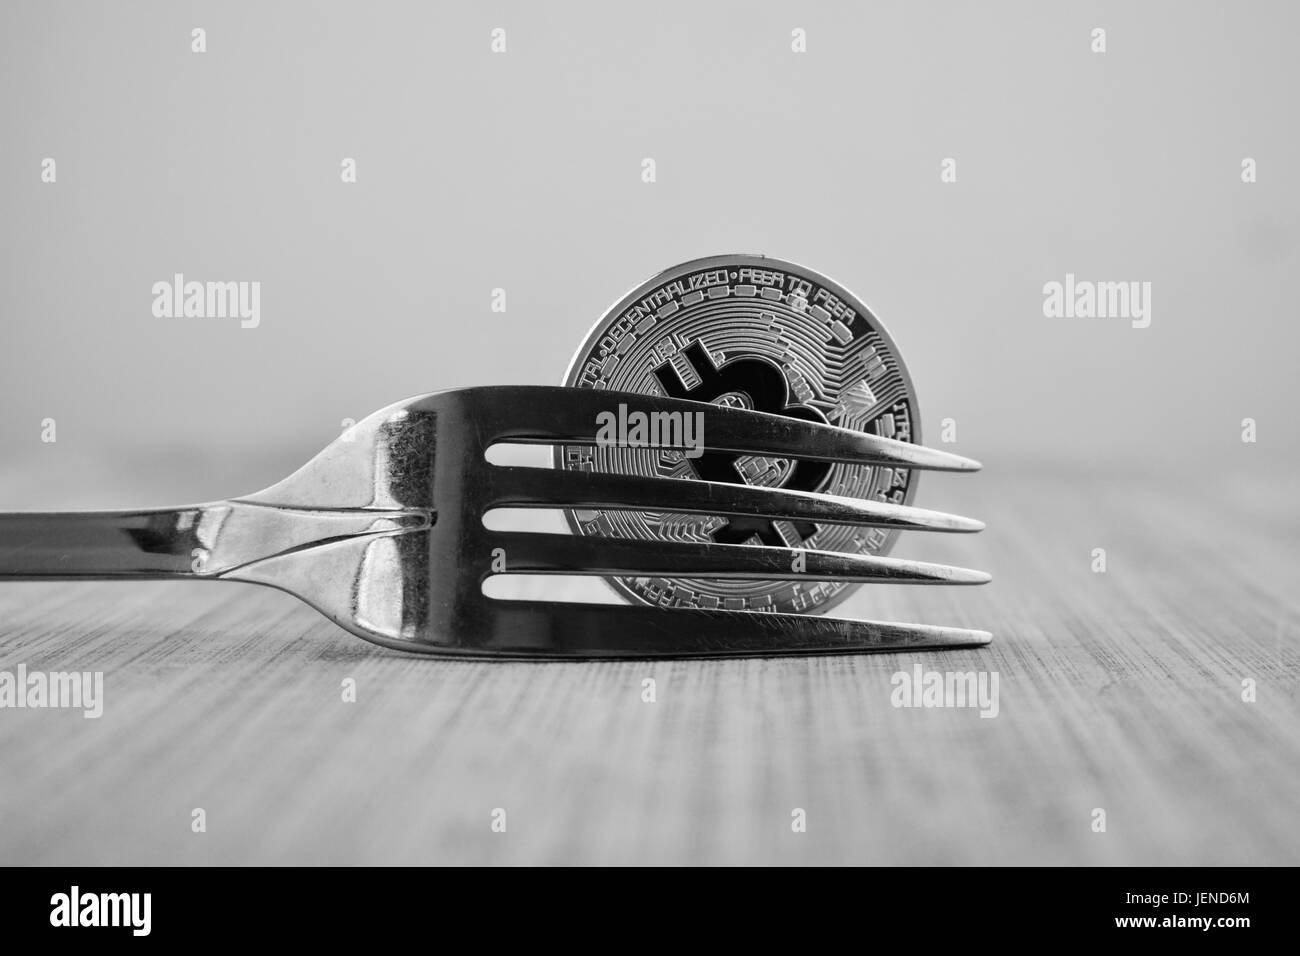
549,629
511,486
539,413
535,553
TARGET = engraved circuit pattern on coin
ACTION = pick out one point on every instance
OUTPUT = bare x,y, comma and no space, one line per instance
758,333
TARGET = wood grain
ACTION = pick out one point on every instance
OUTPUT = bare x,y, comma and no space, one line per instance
1120,690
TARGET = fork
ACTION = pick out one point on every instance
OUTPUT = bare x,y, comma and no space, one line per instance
383,533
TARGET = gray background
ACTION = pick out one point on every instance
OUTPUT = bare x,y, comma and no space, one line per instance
522,171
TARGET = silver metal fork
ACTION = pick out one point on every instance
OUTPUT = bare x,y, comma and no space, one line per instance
383,533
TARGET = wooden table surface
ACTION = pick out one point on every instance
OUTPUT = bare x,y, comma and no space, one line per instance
1120,691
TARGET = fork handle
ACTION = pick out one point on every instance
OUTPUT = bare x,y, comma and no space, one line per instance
155,543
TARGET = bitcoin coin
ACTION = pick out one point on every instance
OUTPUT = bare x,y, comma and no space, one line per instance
763,334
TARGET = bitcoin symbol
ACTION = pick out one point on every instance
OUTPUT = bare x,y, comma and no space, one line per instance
753,383
761,334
